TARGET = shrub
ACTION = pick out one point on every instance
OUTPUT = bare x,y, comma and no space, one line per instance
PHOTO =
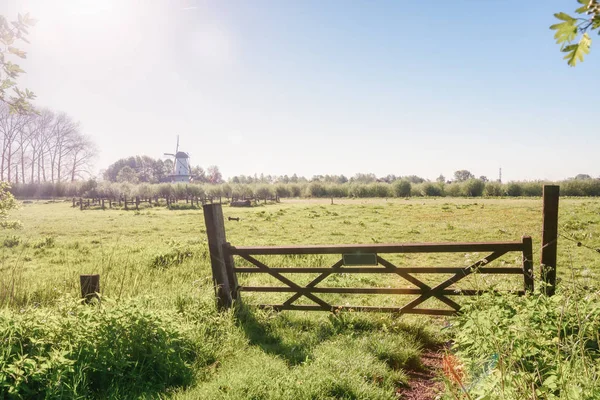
80,351
473,187
431,189
402,188
531,346
514,189
11,241
532,189
316,189
493,189
453,190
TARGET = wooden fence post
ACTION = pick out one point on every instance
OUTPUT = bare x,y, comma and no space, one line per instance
90,286
549,238
81,204
527,263
137,202
215,230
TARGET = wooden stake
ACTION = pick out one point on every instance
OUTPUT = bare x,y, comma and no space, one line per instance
550,238
90,287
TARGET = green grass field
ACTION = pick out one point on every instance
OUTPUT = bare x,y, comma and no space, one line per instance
156,259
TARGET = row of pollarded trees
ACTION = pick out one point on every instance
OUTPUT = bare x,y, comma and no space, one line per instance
42,146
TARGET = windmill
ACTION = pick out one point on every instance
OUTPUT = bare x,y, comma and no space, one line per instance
181,165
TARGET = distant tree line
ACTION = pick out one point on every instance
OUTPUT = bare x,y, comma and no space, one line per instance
42,146
400,188
144,169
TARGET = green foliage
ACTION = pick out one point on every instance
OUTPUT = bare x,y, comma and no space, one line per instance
473,188
402,188
176,255
514,189
493,189
7,203
77,351
531,347
463,175
11,241
10,33
570,27
432,189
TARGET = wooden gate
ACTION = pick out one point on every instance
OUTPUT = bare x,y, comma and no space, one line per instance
355,259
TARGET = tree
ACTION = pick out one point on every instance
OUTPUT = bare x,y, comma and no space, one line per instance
441,179
10,33
128,175
463,175
582,177
214,175
572,33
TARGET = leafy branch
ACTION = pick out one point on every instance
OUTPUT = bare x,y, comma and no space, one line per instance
572,28
10,33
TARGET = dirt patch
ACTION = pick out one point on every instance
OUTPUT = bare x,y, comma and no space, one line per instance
425,385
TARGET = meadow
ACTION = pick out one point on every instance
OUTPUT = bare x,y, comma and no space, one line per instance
156,332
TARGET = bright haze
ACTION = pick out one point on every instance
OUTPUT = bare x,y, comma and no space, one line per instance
321,87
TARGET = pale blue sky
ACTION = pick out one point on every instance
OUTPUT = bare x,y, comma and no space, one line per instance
321,87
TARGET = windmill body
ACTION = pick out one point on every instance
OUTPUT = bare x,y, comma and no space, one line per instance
181,165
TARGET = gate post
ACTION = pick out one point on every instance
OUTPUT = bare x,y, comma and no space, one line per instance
527,263
215,230
549,238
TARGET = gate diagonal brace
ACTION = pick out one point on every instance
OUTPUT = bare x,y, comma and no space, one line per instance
337,266
300,290
436,291
388,265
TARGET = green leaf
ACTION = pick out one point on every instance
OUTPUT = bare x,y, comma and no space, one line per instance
565,31
564,17
577,51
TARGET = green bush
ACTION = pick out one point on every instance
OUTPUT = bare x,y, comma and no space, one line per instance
473,188
431,189
493,189
401,188
514,189
453,190
532,346
11,241
78,351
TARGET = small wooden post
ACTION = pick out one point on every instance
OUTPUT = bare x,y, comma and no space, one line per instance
527,263
81,204
103,204
109,203
126,208
215,230
90,287
88,203
550,237
73,202
137,202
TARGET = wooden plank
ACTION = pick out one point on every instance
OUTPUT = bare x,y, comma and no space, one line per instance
550,237
399,310
381,248
527,264
370,270
407,291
